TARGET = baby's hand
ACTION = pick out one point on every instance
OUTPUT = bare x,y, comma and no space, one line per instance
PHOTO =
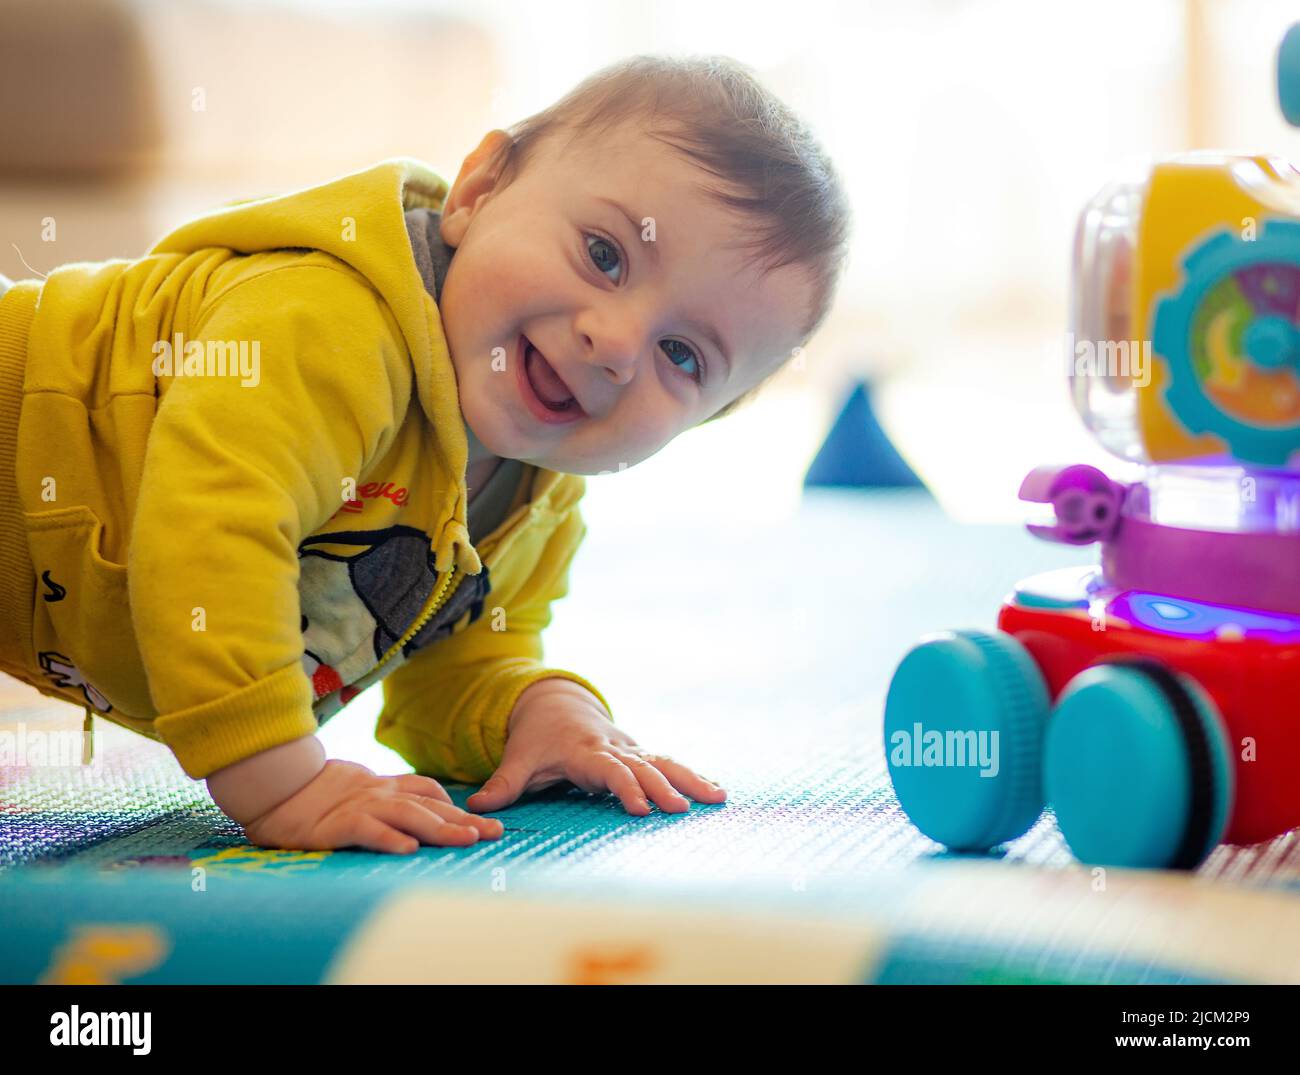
559,731
346,805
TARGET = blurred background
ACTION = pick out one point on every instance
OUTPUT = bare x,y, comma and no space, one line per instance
969,133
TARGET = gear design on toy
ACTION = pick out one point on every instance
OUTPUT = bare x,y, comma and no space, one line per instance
1251,270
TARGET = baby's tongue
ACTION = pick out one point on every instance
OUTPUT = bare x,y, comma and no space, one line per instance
549,387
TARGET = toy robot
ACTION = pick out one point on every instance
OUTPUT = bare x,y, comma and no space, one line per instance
1153,701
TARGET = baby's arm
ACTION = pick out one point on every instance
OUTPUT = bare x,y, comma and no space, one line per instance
249,788
237,470
290,797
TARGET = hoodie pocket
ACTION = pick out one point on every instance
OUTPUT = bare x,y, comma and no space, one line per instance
82,632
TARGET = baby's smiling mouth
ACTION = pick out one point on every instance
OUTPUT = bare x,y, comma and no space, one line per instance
548,386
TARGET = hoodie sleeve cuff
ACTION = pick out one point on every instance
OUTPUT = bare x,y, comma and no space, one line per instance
262,715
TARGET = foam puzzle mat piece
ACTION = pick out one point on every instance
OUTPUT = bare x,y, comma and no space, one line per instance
942,922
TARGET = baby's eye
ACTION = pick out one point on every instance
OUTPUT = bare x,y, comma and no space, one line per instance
694,374
604,254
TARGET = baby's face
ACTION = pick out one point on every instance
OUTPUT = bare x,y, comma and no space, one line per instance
651,325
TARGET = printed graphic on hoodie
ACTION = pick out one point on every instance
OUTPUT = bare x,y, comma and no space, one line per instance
360,590
66,675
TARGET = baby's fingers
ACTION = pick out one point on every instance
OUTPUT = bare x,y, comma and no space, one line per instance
486,826
686,780
605,771
503,787
422,785
423,823
655,784
370,833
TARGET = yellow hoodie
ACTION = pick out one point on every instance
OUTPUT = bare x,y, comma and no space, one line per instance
219,539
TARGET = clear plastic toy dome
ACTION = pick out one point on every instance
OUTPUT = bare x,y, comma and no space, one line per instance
1101,369
1230,497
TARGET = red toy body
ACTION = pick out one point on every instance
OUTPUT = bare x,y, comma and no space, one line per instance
1255,684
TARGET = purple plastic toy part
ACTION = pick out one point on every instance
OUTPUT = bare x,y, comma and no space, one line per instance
1246,570
1201,620
1243,569
1086,502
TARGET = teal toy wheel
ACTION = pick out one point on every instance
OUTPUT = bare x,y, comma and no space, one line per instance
1288,75
964,725
1137,767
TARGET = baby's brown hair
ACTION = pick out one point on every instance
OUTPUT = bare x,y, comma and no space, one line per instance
715,112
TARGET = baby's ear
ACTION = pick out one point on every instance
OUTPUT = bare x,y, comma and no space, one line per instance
477,178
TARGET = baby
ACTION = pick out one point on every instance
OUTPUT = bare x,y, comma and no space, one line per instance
316,441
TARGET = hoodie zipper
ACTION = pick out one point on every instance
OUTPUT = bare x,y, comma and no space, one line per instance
436,601
442,593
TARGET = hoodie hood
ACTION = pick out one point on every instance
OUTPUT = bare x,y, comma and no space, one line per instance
360,219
